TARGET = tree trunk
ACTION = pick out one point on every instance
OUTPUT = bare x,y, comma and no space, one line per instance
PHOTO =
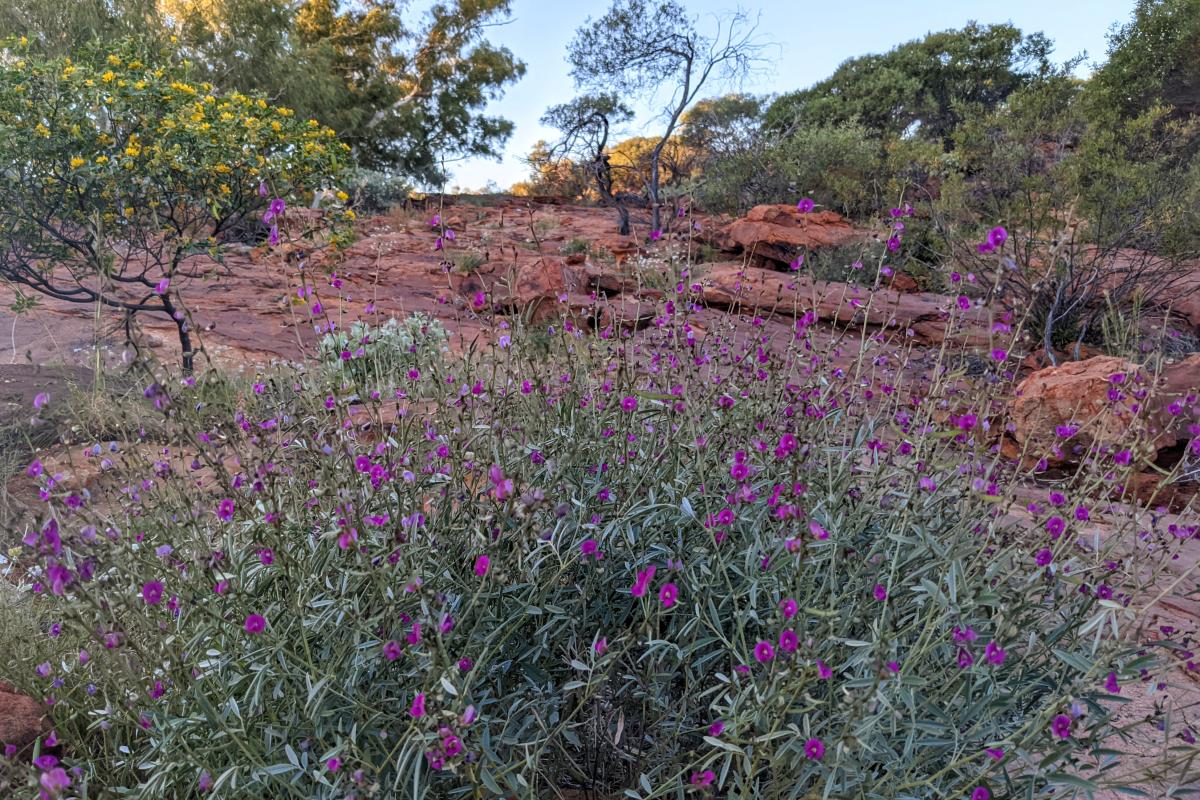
185,337
655,211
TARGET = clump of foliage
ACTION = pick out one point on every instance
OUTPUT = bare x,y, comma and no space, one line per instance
123,181
577,245
646,565
370,355
1151,60
374,192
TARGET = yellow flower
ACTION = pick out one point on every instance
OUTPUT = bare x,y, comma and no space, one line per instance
133,150
275,126
114,60
108,76
24,40
101,159
223,169
128,212
77,162
68,71
140,85
350,214
342,196
135,64
42,130
225,189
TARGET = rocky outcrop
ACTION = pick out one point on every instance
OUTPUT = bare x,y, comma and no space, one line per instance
780,233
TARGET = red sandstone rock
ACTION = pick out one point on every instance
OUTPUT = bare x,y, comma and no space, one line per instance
1077,393
780,233
20,718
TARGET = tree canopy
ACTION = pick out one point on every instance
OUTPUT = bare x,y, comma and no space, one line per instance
923,86
405,94
1153,59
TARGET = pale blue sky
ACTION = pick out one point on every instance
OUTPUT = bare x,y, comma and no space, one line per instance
812,37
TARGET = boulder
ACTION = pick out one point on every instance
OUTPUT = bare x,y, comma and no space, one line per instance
780,233
1109,401
20,718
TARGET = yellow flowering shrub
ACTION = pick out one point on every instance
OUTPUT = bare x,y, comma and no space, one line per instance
120,175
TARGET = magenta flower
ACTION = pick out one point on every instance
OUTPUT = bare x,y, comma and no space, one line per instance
805,205
55,781
668,594
1043,557
481,565
819,533
333,764
601,646
643,581
823,671
880,592
788,641
981,793
1110,684
205,782
995,753
814,749
994,653
704,778
716,728
225,510
255,623
40,400
997,236
629,403
418,705
275,209
763,652
655,235
392,650
789,607
152,592
1060,726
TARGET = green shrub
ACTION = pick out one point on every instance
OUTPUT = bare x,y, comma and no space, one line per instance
721,567
838,166
577,244
377,192
368,355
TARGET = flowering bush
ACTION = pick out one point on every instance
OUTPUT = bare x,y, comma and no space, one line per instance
122,180
735,567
